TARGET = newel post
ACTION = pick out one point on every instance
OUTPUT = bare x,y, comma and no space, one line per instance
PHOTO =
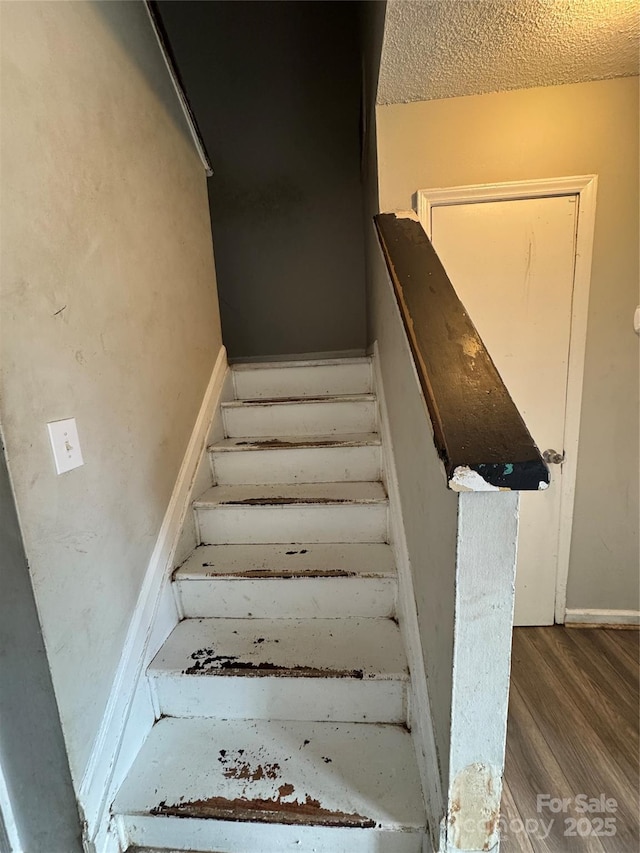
484,598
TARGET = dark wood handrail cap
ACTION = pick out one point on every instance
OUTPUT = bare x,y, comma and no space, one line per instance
478,430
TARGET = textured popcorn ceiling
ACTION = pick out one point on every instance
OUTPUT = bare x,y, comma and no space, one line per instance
446,48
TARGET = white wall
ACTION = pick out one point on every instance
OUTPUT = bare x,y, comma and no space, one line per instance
109,315
539,133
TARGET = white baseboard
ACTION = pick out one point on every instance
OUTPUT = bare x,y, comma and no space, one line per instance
612,618
154,617
420,718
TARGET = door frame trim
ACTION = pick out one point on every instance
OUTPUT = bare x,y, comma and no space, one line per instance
585,188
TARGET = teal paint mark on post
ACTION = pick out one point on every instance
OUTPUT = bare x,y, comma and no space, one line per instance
508,469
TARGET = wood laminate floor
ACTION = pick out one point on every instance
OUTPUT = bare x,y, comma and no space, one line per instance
573,730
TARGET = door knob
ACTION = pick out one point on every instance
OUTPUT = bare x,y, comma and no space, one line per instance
552,457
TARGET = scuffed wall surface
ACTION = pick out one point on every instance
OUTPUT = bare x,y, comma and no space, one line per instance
449,48
543,133
429,508
109,315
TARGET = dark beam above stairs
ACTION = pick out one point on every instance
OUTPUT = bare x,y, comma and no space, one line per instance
476,423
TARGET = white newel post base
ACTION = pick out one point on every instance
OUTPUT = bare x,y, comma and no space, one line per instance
485,584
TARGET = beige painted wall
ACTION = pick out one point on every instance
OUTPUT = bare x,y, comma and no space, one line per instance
109,315
540,133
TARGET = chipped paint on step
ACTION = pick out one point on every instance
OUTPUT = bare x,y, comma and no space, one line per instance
366,560
283,574
279,401
279,501
308,812
206,662
178,789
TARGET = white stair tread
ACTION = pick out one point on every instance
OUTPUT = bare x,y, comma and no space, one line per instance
331,774
288,401
292,442
366,648
293,560
297,493
271,494
316,362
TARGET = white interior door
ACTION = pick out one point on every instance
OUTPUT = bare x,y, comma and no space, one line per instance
512,264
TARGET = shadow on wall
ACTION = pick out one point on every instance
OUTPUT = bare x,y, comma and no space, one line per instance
142,52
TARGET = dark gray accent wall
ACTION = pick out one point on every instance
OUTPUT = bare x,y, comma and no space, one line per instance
372,18
32,751
276,89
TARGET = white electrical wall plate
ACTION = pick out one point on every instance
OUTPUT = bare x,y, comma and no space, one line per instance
636,321
65,445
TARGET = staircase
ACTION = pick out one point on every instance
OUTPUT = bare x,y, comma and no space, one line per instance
282,694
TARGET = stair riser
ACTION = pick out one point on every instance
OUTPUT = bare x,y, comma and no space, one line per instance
281,698
307,381
300,465
287,598
229,525
332,417
203,836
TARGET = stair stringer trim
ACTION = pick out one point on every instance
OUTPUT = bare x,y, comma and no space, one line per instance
129,714
419,715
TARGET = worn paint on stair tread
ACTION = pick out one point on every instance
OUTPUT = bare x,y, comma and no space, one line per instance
283,574
207,663
287,401
293,442
288,581
294,560
339,361
284,500
312,773
364,649
238,764
294,494
306,813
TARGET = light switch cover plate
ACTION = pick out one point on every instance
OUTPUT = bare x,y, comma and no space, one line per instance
65,445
